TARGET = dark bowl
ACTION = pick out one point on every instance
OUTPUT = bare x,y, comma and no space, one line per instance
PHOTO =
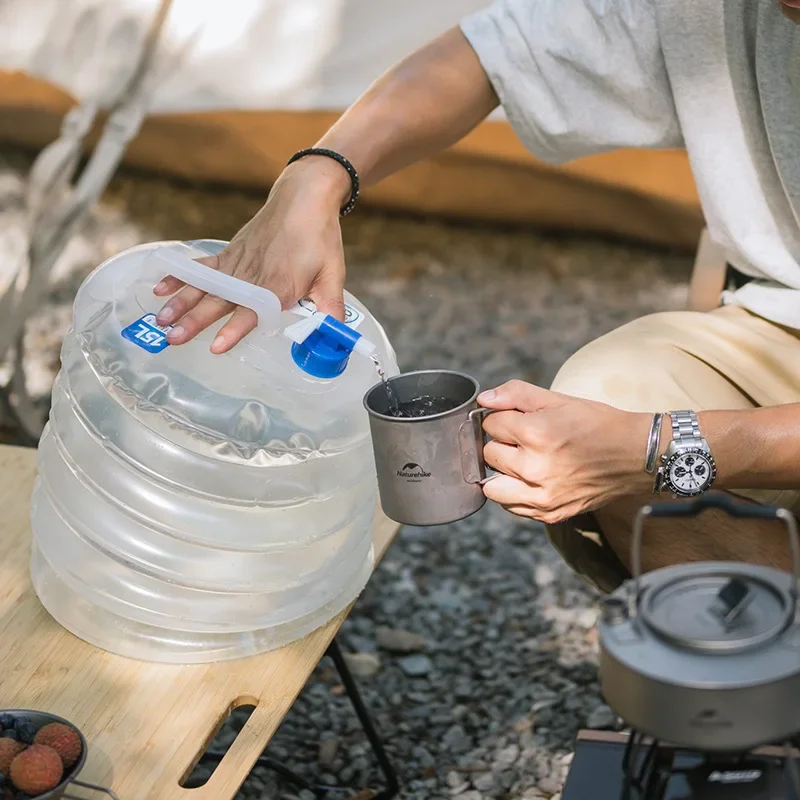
40,719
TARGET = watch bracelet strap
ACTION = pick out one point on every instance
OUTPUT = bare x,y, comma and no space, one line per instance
685,427
685,430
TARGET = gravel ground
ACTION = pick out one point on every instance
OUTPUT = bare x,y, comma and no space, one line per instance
474,644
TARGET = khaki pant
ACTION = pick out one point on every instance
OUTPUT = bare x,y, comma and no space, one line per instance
726,359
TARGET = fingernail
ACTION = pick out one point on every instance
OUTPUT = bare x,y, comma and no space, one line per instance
165,315
176,332
160,287
488,395
218,342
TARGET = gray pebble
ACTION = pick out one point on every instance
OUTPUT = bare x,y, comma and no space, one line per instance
396,640
601,717
507,756
423,757
416,666
486,782
454,779
456,740
327,752
549,786
363,665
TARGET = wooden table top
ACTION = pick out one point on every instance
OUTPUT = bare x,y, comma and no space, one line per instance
146,724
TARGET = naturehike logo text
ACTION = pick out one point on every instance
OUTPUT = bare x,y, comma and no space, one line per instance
709,719
412,471
734,776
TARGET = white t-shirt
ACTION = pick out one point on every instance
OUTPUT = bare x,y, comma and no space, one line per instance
718,77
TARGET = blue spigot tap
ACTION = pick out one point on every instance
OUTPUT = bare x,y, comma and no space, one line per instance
322,345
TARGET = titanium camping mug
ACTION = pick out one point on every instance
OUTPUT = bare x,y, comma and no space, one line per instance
430,468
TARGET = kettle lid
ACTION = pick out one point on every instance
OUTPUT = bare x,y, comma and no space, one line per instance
725,607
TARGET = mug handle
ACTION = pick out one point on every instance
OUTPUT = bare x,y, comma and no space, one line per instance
472,440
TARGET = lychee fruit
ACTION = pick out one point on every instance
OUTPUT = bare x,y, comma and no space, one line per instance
37,769
63,739
9,750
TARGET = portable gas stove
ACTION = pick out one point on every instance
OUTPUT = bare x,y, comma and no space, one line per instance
702,661
621,766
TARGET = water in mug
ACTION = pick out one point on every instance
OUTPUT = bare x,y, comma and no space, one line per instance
425,406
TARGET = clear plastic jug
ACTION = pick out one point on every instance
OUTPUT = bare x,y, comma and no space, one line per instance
193,507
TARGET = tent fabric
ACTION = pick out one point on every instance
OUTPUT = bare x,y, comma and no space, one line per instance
241,54
259,79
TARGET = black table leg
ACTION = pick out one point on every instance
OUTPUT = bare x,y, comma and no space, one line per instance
392,786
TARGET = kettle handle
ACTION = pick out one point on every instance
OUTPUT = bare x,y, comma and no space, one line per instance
694,508
266,305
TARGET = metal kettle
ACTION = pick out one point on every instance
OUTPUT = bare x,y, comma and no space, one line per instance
705,655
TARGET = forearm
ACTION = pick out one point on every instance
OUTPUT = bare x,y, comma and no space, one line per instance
418,108
755,449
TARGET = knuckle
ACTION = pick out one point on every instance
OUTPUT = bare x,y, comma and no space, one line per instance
546,502
252,270
215,261
231,258
187,298
190,324
529,436
243,321
547,465
529,471
216,301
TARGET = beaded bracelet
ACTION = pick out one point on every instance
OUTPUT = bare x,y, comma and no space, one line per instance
340,159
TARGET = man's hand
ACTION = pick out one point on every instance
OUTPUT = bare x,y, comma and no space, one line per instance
293,246
560,456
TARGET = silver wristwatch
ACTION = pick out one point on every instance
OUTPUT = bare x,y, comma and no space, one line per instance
687,468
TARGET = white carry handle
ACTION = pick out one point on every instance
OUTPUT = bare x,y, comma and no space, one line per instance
185,268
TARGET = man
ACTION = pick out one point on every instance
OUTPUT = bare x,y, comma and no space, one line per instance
719,77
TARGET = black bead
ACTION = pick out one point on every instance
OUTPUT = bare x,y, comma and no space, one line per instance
355,182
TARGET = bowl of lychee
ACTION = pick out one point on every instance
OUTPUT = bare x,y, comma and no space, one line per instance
40,755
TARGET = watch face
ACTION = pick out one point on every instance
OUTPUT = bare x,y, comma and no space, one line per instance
690,472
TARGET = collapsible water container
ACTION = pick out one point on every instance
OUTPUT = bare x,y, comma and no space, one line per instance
193,507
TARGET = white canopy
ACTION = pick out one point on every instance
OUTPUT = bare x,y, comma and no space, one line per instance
240,54
244,83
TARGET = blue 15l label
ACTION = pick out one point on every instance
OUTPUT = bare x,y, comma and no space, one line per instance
148,334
